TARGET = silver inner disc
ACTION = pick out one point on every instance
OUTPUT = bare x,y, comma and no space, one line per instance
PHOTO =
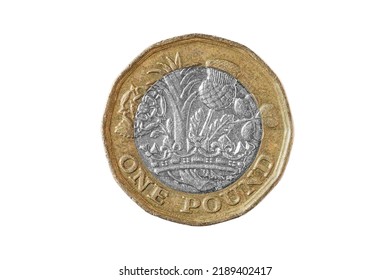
197,129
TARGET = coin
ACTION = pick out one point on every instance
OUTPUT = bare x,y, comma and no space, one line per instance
197,129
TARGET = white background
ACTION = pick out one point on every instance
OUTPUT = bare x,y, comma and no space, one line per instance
62,214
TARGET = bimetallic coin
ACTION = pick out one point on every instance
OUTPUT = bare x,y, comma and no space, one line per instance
197,130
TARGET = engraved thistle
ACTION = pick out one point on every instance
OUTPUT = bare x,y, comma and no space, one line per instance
197,128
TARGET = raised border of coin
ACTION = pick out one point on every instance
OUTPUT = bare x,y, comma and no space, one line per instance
199,208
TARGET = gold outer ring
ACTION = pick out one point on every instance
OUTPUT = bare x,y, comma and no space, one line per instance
187,208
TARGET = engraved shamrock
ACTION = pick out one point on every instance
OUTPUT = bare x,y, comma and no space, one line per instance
242,107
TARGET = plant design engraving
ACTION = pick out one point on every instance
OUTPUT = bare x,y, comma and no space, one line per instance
269,117
197,128
127,110
170,65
